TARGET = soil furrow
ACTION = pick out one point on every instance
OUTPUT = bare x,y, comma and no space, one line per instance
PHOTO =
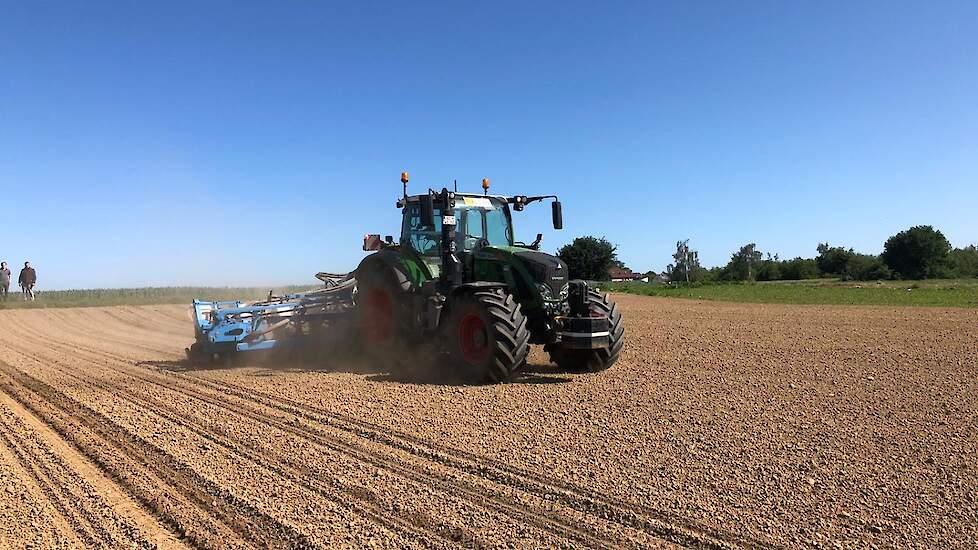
450,534
239,516
578,498
104,504
65,514
721,426
130,337
477,495
152,492
56,481
652,525
416,525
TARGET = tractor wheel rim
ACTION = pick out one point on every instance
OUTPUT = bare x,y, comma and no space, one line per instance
473,339
379,315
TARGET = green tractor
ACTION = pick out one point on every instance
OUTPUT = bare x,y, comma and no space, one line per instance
460,285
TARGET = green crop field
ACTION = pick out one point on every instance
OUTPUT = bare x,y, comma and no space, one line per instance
931,293
140,296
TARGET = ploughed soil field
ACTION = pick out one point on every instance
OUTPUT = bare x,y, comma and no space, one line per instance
723,425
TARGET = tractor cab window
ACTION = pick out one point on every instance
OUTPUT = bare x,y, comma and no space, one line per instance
499,230
483,220
470,229
425,240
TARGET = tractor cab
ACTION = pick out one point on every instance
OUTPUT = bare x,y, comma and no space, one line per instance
480,221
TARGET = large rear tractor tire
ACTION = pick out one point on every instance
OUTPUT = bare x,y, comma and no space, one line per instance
380,318
486,337
594,360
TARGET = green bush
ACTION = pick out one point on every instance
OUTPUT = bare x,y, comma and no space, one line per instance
589,258
963,262
799,269
865,267
769,270
832,260
743,264
920,252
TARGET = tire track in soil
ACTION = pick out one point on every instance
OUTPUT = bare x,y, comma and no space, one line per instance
548,522
74,421
128,317
111,326
633,515
563,527
151,492
105,504
567,528
630,515
575,497
110,334
451,534
27,520
580,499
411,525
67,525
56,479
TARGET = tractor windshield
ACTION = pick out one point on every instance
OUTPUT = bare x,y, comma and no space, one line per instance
483,220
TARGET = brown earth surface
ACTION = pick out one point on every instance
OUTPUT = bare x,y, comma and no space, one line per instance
723,425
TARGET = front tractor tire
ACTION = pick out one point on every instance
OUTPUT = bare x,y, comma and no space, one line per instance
486,337
594,360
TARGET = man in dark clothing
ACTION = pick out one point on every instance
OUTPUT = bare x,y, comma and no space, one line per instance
4,280
27,280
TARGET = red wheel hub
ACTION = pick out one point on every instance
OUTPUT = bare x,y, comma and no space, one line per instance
473,339
378,318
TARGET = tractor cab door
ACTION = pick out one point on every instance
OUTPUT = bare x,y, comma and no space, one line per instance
425,240
471,228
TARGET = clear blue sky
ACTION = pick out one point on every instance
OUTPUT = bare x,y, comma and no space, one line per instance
152,143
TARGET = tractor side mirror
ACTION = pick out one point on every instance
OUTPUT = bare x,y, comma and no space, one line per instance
371,242
427,210
558,215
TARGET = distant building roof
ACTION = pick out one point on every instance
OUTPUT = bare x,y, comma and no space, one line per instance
617,273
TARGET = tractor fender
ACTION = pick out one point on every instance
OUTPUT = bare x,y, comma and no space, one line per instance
473,286
405,276
458,292
408,277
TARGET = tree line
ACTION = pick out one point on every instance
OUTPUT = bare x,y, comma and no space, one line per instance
920,252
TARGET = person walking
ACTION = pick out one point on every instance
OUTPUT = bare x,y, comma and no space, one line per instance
27,280
4,281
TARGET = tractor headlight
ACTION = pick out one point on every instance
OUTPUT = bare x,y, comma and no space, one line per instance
545,292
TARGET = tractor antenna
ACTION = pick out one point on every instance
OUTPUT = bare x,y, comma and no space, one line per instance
456,186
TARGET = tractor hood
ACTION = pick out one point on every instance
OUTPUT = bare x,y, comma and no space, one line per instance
546,270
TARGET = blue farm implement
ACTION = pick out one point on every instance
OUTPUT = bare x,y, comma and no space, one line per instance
291,326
